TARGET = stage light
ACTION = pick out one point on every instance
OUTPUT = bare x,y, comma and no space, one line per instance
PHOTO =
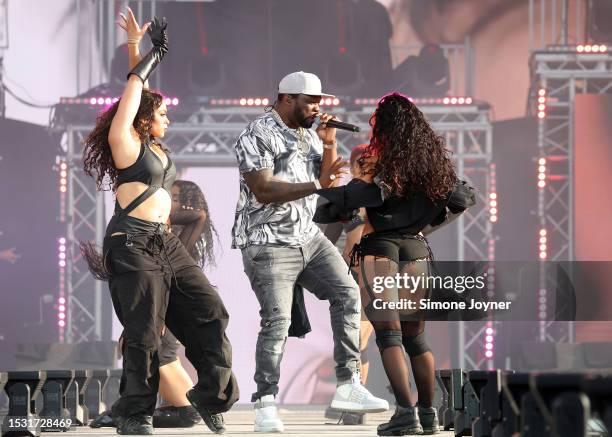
257,102
543,244
468,100
603,48
453,100
175,101
61,323
580,48
100,100
92,101
243,101
489,341
266,102
62,308
542,92
62,300
587,49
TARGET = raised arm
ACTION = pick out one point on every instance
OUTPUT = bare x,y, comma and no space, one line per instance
134,36
122,137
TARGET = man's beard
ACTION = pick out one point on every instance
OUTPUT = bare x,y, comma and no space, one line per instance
305,122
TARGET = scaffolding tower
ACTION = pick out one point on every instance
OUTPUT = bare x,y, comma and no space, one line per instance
558,75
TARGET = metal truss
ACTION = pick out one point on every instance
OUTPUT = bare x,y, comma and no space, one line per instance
84,222
562,75
207,139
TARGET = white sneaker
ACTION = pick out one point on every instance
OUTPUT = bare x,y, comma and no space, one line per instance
266,415
355,398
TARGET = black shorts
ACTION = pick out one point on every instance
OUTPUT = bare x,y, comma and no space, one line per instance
394,245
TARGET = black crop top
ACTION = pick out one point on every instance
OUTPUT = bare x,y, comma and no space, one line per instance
149,170
411,213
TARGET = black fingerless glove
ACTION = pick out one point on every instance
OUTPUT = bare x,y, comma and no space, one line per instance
159,39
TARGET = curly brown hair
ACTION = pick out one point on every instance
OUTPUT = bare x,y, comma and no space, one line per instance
411,156
97,159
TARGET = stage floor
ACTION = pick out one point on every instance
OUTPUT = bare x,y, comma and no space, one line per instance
299,421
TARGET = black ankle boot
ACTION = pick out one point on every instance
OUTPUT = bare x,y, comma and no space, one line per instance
403,422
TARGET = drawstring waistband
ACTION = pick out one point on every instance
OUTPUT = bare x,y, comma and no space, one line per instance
157,238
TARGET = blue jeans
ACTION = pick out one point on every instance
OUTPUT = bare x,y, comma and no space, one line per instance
319,268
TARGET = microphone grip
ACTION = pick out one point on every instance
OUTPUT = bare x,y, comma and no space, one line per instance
342,125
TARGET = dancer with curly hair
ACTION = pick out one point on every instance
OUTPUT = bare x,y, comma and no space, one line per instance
191,222
409,187
153,280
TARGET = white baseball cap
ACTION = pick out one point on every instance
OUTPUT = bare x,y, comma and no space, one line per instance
301,83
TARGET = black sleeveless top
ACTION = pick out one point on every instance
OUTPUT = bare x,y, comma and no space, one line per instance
149,170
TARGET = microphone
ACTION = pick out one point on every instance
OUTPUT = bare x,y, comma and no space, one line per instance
341,125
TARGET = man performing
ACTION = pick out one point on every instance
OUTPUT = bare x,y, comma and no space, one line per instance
282,162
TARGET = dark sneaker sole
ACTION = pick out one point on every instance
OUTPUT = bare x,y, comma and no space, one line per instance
417,430
206,416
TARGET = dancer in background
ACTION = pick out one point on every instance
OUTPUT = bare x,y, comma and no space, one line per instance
152,279
353,230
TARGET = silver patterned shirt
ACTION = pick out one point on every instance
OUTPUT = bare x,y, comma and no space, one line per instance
295,156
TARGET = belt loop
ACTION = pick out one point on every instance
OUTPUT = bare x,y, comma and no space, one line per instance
128,240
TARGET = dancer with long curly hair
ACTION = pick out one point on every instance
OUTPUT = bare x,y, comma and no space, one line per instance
409,187
152,279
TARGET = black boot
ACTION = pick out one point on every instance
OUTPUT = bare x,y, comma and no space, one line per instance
403,422
138,424
214,421
429,420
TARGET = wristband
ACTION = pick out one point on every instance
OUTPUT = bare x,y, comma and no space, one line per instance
317,184
330,145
